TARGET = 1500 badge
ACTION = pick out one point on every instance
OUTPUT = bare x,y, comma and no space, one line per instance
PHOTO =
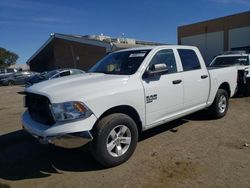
150,98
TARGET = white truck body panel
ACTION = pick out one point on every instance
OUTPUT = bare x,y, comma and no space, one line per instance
229,76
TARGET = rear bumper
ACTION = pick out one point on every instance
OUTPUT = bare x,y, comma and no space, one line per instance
67,134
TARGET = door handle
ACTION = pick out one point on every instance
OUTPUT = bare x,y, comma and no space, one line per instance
177,81
204,76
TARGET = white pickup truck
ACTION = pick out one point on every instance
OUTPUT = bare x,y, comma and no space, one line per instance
126,92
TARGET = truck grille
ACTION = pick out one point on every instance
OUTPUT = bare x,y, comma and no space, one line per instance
39,109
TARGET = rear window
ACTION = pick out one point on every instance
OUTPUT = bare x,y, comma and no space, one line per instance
227,61
189,59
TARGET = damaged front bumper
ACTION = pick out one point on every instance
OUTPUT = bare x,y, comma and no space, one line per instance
68,134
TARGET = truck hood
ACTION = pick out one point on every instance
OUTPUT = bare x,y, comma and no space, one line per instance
78,87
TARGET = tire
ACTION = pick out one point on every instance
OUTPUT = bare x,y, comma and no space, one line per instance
108,132
220,105
10,83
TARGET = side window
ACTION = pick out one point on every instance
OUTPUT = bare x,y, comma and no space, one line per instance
164,57
75,72
10,70
189,59
65,73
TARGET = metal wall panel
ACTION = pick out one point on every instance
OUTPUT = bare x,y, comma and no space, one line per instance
239,37
210,44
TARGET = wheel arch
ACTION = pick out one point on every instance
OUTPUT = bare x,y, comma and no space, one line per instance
124,109
226,87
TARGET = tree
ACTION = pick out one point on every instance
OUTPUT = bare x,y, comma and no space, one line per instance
7,57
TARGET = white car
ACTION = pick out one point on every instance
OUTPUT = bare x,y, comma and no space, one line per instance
7,72
127,92
48,75
241,59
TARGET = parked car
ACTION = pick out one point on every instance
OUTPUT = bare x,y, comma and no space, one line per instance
240,59
127,92
17,78
57,73
4,72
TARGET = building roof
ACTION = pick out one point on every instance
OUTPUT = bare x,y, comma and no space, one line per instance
111,44
218,19
214,25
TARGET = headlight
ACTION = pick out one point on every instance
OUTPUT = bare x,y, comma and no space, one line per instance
70,111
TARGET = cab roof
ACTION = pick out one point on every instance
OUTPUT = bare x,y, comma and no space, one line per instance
159,47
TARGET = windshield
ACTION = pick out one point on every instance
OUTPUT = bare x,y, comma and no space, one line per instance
121,63
235,60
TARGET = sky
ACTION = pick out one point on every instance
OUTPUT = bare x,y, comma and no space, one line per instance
26,24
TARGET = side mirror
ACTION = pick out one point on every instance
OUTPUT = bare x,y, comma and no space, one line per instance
157,69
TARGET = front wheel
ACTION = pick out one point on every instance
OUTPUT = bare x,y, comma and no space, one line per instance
220,105
115,139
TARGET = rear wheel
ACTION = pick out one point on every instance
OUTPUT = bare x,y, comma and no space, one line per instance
220,105
115,139
10,83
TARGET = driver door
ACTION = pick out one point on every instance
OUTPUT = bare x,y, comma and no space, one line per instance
163,93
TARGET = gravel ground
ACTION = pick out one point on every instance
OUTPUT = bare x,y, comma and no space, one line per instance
191,152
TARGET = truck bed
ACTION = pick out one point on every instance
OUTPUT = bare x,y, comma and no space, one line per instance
219,75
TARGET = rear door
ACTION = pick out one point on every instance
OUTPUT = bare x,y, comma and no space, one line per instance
164,93
196,79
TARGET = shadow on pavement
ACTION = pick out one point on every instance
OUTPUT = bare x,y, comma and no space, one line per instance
4,185
21,92
23,157
162,128
203,115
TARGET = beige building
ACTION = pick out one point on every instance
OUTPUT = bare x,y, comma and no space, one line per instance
217,35
21,66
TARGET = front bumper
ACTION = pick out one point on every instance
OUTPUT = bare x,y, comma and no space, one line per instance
63,134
